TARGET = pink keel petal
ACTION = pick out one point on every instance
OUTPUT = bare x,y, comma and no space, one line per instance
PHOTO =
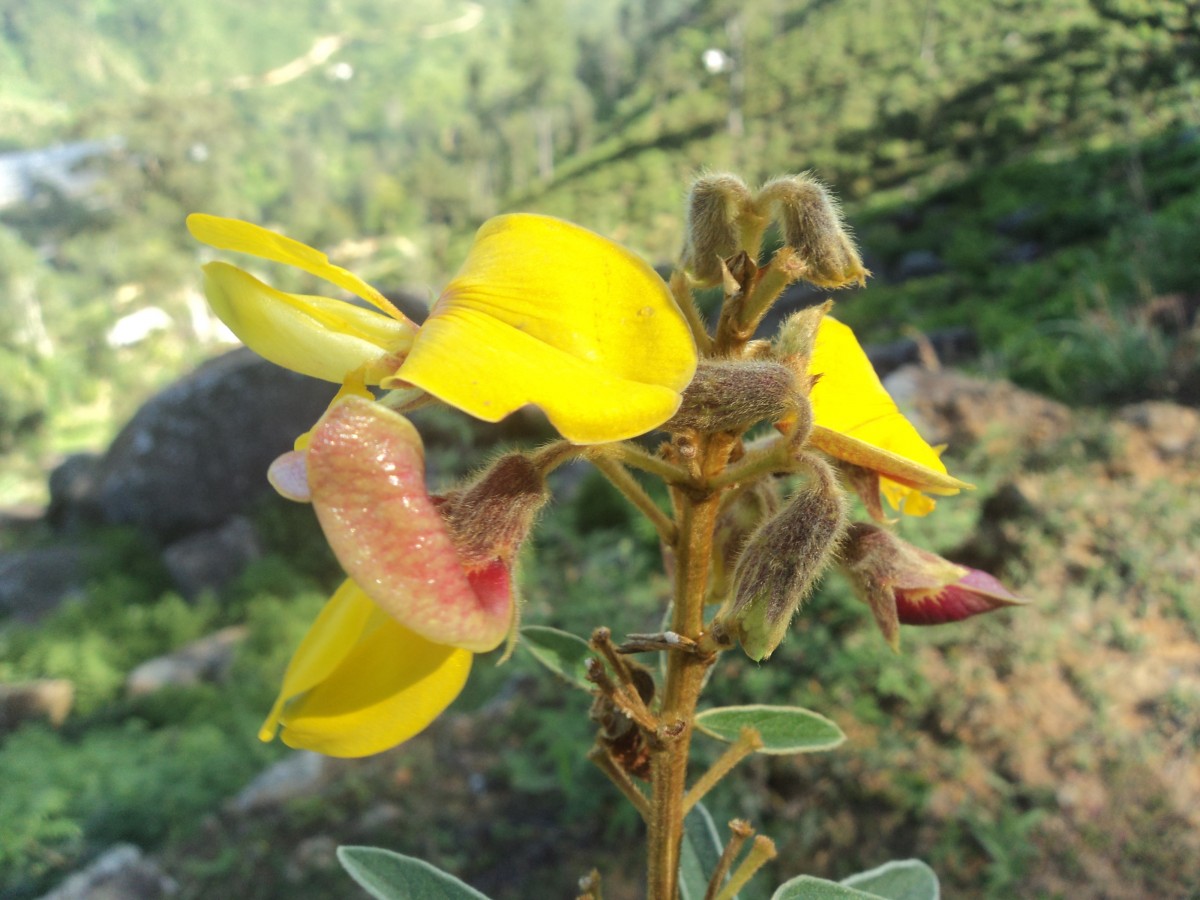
366,472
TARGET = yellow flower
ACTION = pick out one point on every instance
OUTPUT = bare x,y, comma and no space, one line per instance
542,312
393,646
361,682
856,421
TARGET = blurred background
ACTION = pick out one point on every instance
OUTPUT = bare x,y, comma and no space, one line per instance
1024,179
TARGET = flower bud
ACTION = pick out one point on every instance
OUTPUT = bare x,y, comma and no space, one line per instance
906,585
798,334
737,521
813,227
781,563
490,518
731,395
719,208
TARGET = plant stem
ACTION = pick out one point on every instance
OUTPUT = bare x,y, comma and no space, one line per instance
696,518
739,832
682,292
636,494
762,851
748,741
618,776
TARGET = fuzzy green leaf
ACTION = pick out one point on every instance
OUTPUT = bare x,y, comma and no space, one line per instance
391,876
806,887
901,879
561,652
699,855
784,729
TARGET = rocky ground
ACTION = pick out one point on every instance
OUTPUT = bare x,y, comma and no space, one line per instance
1045,752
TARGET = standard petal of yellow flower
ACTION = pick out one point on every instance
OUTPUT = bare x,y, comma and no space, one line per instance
546,313
315,336
857,421
361,683
243,237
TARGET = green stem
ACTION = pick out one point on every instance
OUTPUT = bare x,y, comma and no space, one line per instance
686,300
620,478
633,455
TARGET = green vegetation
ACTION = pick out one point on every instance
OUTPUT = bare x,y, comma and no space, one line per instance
1045,152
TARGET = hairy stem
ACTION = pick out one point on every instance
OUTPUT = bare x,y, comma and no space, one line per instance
747,742
739,832
685,676
682,292
762,851
618,776
624,482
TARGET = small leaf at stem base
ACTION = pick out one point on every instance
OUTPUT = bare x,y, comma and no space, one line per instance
391,876
784,729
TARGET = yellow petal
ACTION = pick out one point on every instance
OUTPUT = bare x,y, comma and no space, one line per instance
388,685
545,312
243,237
315,336
326,644
856,420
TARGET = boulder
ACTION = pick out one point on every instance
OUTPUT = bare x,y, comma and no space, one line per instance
34,582
210,559
949,407
120,873
72,486
197,453
300,774
206,659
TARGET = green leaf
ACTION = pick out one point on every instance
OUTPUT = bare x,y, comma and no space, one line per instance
784,729
806,887
699,855
391,876
901,879
561,652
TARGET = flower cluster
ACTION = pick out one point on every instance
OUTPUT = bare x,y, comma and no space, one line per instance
547,314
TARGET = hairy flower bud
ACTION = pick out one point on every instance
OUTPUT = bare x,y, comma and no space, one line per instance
906,585
719,208
731,395
798,334
813,227
781,563
490,518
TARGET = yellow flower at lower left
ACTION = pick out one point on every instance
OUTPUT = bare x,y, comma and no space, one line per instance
361,682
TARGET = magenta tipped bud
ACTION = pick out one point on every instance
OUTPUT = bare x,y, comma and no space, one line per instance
906,585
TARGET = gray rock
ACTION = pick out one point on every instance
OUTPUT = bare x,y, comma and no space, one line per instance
72,486
207,659
210,559
301,774
34,582
120,873
919,264
43,700
197,453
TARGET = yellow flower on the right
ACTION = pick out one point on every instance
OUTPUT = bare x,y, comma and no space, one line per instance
856,421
